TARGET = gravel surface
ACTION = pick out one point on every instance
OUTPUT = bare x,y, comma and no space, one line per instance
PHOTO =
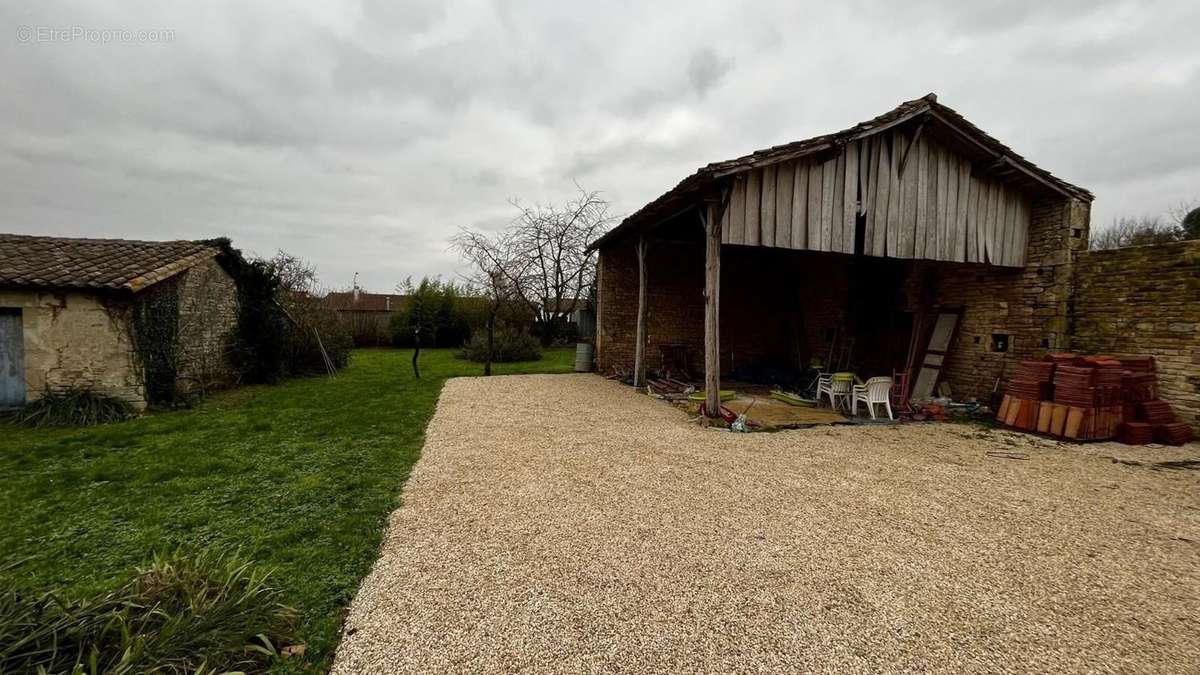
564,523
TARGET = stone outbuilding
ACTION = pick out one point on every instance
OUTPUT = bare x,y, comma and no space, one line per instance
138,320
911,243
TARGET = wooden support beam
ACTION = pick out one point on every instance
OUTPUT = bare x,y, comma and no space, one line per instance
639,357
712,309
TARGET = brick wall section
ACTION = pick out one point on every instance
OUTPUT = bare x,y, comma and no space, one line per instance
1145,300
208,310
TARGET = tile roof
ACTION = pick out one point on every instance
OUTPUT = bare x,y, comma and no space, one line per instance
112,264
367,302
685,192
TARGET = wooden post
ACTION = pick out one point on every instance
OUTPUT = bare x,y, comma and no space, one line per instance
639,358
711,216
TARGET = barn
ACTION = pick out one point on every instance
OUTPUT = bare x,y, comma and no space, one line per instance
914,236
138,320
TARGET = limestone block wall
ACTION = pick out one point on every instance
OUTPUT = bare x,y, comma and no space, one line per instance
1030,305
208,309
1144,300
76,339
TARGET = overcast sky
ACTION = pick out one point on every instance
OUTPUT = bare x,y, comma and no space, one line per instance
360,135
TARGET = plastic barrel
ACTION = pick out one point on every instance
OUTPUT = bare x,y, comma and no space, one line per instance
583,357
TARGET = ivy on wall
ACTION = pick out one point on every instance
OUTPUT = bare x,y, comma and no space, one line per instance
155,336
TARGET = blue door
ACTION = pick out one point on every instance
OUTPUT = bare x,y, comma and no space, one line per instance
12,359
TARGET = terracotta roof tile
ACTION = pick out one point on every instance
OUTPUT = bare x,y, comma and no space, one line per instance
117,264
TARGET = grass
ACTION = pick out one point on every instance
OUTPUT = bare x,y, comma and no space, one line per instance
298,477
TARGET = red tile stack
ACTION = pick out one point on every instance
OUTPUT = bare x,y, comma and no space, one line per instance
1173,433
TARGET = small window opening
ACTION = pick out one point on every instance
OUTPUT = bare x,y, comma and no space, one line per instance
1000,342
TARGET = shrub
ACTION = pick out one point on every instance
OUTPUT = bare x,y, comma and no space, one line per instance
510,346
74,407
308,320
446,316
209,613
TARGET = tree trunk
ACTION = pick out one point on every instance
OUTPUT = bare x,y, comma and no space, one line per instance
416,352
491,340
639,357
712,311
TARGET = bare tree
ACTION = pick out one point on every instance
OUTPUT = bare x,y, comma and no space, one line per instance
1186,214
1127,231
496,273
552,242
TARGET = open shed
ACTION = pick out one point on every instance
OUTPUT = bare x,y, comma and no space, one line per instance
843,246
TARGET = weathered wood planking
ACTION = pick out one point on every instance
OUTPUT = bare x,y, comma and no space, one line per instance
784,184
921,226
839,190
908,198
754,208
936,209
768,206
828,179
882,189
873,179
800,206
894,193
737,213
816,173
850,198
964,206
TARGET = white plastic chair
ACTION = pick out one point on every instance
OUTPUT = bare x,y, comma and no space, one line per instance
837,387
876,390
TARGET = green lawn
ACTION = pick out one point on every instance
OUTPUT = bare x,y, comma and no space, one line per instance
299,476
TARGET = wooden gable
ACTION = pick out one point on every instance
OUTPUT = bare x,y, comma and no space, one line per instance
897,194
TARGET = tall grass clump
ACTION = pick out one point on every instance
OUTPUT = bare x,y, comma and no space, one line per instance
210,613
74,407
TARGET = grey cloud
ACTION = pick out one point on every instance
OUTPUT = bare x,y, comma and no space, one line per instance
361,135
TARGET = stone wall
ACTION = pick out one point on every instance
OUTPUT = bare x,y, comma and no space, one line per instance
75,339
1030,305
208,309
1144,300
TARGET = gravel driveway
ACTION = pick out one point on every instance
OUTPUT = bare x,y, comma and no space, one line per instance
564,523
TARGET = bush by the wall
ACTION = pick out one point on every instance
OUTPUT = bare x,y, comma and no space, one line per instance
209,613
73,407
446,315
314,326
510,346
